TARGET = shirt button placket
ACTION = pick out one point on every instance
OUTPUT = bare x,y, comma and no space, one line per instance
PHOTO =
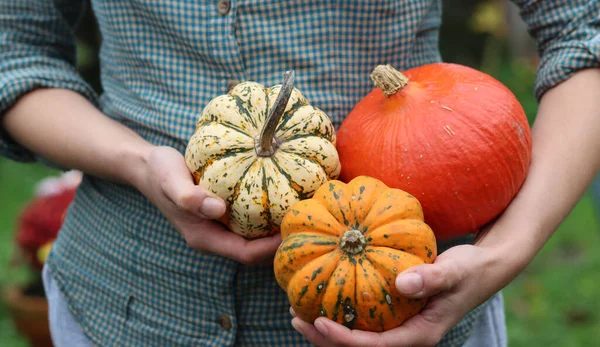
225,322
223,7
225,48
232,84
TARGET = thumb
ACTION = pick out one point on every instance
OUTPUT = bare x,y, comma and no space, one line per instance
169,172
190,197
426,280
197,199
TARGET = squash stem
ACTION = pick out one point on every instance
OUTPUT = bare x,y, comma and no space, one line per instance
267,144
388,79
353,242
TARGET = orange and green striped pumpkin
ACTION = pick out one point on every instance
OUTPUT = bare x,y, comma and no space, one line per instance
258,161
343,248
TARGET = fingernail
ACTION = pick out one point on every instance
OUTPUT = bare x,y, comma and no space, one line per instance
321,327
409,283
297,326
212,208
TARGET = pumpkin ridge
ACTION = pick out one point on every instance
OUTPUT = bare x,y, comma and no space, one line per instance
371,276
287,115
316,233
242,109
405,235
227,154
304,123
364,194
305,239
266,203
301,250
381,284
308,158
370,230
295,186
331,195
322,267
303,136
218,157
312,154
380,259
227,125
325,222
236,188
395,202
213,112
348,281
366,228
375,249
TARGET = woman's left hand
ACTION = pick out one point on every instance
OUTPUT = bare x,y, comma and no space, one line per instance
463,277
459,280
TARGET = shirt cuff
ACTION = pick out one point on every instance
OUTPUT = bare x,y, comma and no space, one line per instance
17,82
563,59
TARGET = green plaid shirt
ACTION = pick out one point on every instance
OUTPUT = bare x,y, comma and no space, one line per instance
128,276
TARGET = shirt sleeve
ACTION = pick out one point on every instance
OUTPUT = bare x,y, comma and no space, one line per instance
37,49
567,33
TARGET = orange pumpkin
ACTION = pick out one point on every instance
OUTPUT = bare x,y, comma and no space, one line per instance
452,136
343,248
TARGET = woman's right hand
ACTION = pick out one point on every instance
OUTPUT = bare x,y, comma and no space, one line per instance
73,133
166,181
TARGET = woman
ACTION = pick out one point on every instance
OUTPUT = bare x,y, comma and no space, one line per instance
139,260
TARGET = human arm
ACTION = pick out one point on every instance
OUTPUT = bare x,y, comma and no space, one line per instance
564,162
48,111
565,159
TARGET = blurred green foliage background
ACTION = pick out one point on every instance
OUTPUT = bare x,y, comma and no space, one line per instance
554,302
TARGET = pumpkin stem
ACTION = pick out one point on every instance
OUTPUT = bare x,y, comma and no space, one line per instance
388,79
353,242
266,143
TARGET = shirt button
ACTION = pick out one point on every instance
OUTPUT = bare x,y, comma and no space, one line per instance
223,7
232,84
225,322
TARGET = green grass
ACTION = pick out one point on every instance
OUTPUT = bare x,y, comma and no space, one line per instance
555,301
16,188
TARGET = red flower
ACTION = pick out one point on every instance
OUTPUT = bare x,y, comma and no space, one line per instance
41,220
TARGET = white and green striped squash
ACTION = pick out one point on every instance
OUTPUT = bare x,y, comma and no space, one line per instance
261,162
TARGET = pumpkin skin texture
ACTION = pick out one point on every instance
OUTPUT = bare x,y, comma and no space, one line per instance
259,184
343,248
452,136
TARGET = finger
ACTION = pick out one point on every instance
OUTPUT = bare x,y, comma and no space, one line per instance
425,329
190,197
216,239
338,335
268,261
174,179
310,333
260,250
429,279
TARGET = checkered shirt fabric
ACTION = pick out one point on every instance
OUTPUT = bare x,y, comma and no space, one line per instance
128,276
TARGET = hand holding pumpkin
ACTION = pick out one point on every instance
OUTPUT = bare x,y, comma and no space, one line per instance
457,140
458,281
167,183
261,150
